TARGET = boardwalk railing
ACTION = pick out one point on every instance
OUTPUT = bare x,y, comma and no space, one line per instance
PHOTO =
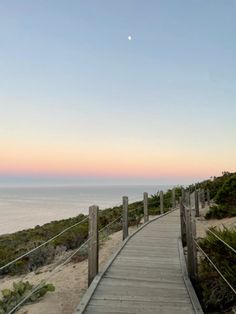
188,214
92,241
93,246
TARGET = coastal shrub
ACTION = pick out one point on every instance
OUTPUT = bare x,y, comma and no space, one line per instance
227,192
225,200
220,211
213,184
81,255
215,293
18,243
154,200
154,204
10,298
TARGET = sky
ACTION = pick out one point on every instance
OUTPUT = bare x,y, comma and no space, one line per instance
81,103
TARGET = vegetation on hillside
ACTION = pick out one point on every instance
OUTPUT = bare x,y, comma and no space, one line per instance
167,200
217,297
16,244
10,298
222,192
225,199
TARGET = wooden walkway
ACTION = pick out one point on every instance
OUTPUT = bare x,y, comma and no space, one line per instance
148,275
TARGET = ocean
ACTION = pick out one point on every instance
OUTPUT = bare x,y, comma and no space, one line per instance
26,207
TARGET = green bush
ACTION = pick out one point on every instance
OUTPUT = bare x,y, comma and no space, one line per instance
154,200
216,295
16,244
227,192
225,199
10,298
220,211
213,184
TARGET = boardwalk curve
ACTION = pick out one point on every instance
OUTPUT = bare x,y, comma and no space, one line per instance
147,275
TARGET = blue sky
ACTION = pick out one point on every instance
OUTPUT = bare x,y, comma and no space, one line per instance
73,86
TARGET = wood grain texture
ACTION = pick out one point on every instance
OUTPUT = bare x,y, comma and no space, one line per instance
125,217
146,275
93,244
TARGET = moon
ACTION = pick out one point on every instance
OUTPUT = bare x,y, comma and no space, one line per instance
129,37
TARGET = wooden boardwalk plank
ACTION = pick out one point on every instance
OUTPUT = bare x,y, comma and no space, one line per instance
146,276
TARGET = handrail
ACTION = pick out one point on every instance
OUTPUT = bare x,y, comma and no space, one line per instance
59,234
86,298
109,224
192,244
216,268
215,235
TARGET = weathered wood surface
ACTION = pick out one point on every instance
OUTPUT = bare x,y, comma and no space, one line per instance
93,244
146,276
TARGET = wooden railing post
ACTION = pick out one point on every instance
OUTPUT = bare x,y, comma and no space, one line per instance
125,217
182,221
189,238
208,197
183,194
173,199
187,198
145,206
161,202
196,197
93,244
194,247
203,198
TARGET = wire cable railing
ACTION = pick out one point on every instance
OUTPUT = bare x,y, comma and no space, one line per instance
58,235
216,236
188,218
109,224
215,267
42,283
42,244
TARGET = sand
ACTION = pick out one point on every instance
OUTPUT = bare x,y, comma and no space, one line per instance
202,224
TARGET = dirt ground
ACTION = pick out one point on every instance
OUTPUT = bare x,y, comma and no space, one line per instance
202,224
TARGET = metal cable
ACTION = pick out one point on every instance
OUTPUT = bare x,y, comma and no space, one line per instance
216,268
135,209
44,243
215,235
108,225
40,285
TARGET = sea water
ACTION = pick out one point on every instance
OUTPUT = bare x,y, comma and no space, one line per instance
26,207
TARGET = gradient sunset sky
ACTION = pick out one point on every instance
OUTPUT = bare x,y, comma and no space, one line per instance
81,103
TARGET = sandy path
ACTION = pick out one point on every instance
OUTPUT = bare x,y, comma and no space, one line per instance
202,223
